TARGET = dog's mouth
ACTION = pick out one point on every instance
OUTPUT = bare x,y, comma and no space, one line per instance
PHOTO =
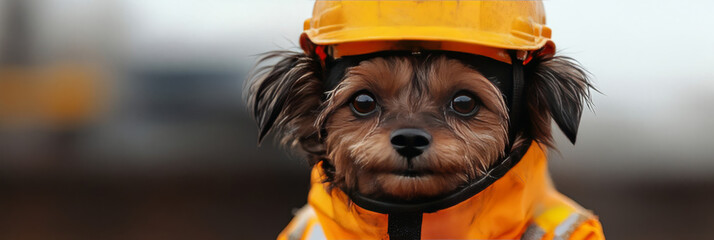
412,173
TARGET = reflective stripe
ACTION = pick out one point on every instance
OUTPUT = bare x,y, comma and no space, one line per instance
559,222
533,232
316,233
296,234
567,226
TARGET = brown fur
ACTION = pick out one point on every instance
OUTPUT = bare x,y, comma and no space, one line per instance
411,92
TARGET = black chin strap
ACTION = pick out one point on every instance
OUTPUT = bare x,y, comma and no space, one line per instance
404,226
516,111
447,200
405,218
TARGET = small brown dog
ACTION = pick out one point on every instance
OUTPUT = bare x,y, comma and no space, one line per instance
426,120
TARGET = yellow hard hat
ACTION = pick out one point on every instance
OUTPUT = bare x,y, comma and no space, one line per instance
488,28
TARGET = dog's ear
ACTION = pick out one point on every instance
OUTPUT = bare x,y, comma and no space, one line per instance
558,88
284,97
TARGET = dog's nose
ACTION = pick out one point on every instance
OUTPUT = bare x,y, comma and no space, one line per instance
410,142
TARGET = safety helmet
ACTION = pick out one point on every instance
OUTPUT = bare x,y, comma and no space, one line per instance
488,28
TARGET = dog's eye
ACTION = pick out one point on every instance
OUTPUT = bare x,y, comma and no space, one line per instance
363,104
464,104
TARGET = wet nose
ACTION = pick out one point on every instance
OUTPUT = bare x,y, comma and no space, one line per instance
410,142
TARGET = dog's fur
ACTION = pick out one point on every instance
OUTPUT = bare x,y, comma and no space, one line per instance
290,98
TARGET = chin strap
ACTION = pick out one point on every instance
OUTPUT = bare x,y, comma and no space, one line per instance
405,218
448,200
516,109
404,226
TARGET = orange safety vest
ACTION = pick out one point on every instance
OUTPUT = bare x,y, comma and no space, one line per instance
523,204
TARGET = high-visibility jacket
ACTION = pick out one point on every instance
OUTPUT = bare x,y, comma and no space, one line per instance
523,204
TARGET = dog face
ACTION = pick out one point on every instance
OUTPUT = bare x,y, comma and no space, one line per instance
406,127
409,127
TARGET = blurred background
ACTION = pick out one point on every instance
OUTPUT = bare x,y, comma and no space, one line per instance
125,120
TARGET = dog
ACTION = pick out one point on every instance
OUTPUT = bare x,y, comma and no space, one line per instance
411,127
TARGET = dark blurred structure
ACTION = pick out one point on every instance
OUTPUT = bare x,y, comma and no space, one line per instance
124,120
